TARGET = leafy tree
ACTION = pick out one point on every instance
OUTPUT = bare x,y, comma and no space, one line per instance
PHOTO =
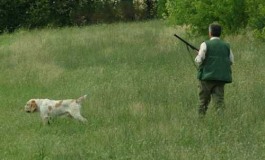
199,13
38,14
161,9
12,14
256,21
61,11
127,10
151,8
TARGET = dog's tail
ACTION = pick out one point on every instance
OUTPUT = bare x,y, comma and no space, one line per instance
81,99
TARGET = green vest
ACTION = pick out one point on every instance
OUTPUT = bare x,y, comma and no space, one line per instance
217,65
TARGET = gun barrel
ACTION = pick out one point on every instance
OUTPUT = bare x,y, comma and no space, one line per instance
187,43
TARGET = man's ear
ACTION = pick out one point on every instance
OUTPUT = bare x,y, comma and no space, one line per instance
33,106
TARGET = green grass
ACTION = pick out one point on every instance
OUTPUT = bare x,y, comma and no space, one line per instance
142,96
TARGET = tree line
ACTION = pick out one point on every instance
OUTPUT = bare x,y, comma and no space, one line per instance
15,14
233,15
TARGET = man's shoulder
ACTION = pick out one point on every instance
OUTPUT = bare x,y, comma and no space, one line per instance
217,40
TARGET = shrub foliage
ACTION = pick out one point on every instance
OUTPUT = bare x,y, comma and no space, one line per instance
233,15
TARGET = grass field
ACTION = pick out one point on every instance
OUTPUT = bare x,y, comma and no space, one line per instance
142,96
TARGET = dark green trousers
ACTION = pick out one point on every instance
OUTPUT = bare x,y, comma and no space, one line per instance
211,90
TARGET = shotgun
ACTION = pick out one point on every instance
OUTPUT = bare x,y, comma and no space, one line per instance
191,46
187,43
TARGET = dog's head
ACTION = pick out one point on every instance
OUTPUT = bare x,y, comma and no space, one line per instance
31,106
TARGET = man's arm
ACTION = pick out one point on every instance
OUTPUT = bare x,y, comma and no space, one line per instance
201,54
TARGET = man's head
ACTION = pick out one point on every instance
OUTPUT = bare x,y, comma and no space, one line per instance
215,30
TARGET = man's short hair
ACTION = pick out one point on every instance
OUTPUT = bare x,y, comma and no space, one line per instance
215,29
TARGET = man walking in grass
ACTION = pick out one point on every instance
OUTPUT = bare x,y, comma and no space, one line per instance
214,59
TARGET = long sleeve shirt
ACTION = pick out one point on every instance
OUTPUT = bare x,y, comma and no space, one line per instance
203,49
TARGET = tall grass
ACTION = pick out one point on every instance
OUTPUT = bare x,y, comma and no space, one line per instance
142,96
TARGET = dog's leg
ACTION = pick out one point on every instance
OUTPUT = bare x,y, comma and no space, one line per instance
79,117
82,119
45,119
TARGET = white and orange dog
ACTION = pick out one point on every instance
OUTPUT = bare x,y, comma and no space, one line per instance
51,108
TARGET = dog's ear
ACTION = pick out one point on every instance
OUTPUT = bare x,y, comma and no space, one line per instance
33,106
80,99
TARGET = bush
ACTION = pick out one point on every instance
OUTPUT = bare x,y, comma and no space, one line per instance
199,14
256,21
